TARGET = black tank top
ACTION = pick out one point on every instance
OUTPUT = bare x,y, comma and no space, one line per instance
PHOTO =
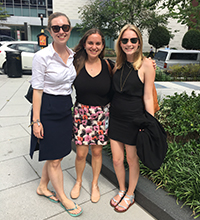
127,82
95,91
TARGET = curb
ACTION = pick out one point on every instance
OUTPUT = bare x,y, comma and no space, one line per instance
155,201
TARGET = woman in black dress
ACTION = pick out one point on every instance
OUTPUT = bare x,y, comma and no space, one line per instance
53,73
133,86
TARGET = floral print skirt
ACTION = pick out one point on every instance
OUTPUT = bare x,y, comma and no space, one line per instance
90,124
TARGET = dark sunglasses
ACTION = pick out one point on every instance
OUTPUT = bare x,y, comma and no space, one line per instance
56,28
133,40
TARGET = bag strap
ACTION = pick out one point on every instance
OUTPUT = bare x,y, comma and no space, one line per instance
109,68
155,99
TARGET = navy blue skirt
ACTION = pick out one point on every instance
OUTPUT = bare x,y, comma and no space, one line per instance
56,118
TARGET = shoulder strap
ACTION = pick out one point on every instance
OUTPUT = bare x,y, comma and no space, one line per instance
109,68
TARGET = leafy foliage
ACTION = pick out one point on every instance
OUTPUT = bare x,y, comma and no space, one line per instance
161,76
111,16
185,73
159,37
193,44
180,116
182,10
180,174
3,12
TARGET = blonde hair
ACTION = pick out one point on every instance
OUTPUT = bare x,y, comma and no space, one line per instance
121,56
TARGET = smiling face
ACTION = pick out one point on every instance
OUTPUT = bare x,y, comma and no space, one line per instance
129,48
94,45
60,37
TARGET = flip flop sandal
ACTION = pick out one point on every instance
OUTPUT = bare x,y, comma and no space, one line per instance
68,210
49,197
132,201
121,194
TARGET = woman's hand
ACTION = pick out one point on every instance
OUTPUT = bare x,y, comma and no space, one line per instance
38,130
153,62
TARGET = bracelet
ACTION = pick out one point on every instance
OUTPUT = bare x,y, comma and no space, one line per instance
33,122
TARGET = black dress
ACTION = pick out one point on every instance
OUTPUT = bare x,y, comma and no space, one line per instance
126,105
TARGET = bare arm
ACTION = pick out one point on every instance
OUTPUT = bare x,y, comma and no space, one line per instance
149,77
37,99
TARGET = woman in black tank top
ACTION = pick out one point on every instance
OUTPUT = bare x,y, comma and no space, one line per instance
133,86
91,110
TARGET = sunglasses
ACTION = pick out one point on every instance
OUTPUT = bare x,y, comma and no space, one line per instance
56,28
133,40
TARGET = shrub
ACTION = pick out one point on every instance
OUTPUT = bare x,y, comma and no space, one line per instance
179,175
185,73
191,40
161,76
159,37
180,116
109,52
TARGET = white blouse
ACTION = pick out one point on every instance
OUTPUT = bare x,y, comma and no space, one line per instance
51,74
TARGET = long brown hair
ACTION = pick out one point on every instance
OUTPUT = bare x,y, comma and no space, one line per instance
80,54
121,56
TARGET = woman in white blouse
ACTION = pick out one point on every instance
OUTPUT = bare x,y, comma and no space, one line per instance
52,76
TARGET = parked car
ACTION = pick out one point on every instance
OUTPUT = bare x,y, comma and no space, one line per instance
6,38
27,48
166,58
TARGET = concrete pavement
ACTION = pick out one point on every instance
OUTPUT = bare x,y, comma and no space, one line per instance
20,176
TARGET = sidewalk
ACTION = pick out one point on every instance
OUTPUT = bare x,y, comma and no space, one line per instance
20,176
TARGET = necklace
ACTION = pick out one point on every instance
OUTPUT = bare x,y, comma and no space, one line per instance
93,65
129,66
122,84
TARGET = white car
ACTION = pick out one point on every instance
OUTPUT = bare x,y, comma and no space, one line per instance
27,48
166,58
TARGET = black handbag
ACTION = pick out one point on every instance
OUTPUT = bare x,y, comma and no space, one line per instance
29,95
151,142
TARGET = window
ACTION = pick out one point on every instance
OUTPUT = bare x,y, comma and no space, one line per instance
183,56
26,48
37,48
12,46
161,55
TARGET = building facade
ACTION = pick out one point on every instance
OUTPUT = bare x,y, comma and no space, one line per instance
24,22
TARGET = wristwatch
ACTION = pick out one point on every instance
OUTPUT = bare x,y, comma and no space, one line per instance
33,122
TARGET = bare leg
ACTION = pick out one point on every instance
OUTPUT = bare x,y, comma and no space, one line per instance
117,149
96,169
81,154
134,170
43,186
56,177
96,162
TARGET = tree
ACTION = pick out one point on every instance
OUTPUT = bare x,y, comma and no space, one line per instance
186,11
111,16
95,14
159,37
3,13
193,44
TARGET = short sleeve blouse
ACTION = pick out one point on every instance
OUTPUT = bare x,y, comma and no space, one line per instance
51,74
